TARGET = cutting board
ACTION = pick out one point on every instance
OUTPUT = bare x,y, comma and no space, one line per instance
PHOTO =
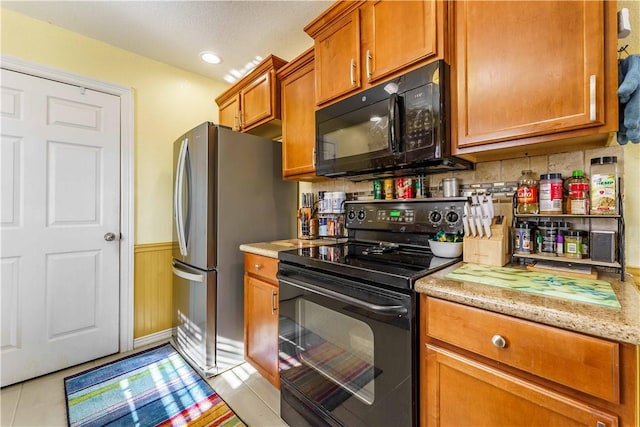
580,271
588,291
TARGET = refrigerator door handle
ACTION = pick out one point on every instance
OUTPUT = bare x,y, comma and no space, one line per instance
178,197
188,276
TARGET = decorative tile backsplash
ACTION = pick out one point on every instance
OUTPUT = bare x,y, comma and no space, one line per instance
498,177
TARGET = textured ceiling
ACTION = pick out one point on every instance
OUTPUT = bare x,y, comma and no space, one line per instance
175,32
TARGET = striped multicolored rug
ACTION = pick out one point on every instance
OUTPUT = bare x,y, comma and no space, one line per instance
154,387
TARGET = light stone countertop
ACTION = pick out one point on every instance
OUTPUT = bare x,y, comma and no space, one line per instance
271,249
621,325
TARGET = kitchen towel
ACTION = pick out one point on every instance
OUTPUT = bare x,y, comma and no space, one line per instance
154,387
588,291
629,98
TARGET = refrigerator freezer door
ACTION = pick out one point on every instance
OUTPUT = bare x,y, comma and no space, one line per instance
194,202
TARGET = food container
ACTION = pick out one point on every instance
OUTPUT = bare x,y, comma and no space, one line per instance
388,188
573,244
551,194
522,238
547,238
604,185
450,187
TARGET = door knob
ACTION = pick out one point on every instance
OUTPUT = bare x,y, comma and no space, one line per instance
109,237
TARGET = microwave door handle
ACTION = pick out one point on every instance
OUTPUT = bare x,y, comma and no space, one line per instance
394,124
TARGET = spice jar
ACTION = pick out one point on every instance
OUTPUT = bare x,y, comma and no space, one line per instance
573,244
604,185
522,238
551,194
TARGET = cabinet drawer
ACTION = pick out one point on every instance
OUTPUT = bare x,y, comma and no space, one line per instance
261,266
584,363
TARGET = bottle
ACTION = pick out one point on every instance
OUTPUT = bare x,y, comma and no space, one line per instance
577,193
551,194
604,186
527,193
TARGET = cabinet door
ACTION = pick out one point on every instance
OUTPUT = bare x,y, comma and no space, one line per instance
461,392
257,101
261,327
527,68
401,33
298,122
228,113
337,51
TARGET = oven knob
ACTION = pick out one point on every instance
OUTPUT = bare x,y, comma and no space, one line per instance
435,217
351,215
361,215
452,217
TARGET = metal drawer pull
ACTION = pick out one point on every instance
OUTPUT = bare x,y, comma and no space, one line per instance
274,302
498,341
352,73
257,267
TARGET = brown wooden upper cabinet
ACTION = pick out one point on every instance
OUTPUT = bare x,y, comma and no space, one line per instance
358,44
298,118
525,74
253,104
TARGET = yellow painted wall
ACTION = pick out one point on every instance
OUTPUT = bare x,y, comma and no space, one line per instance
168,101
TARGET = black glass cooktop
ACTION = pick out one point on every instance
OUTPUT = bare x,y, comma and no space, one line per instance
386,264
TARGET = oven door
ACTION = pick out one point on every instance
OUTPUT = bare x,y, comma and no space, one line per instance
346,351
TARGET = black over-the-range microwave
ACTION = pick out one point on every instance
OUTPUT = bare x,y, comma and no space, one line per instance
397,128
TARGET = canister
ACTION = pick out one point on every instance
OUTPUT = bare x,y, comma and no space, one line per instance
450,187
337,201
400,188
388,188
377,189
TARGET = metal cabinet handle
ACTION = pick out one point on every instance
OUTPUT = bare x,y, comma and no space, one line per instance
352,71
313,161
110,237
257,267
592,97
369,57
498,341
274,302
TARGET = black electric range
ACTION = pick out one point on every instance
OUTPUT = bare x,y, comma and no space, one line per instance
387,241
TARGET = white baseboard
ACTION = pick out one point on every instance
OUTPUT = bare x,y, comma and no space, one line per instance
152,338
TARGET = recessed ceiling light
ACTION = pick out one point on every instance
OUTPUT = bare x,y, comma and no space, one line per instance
210,57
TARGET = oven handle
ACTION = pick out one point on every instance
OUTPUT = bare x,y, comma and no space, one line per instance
382,309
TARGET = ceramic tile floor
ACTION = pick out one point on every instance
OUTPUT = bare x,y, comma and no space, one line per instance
40,402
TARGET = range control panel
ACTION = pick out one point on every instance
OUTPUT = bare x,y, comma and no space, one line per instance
411,215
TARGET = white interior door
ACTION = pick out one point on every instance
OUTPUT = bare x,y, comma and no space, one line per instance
60,158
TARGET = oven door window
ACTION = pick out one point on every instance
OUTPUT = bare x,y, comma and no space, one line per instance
334,350
349,357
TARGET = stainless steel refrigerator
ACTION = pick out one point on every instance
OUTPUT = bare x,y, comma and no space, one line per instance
228,190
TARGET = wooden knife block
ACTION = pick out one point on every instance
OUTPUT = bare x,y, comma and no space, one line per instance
492,251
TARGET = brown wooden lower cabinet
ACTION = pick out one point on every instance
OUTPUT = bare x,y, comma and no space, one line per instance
261,316
474,372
